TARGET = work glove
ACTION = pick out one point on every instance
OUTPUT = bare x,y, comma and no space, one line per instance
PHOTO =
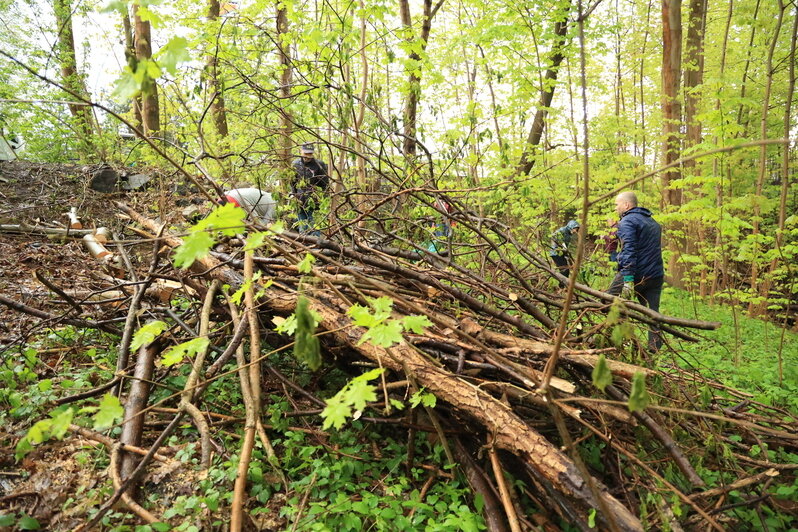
628,289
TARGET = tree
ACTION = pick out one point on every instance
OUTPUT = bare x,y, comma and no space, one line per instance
671,108
71,78
150,110
214,83
546,93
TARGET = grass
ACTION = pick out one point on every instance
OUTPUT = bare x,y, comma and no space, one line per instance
744,353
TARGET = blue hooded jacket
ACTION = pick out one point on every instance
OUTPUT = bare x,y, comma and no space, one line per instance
641,249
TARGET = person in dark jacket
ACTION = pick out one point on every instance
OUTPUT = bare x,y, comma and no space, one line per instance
640,268
310,177
562,244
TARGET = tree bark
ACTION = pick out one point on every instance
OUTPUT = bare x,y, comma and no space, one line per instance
73,81
150,110
214,83
414,77
546,94
286,79
671,107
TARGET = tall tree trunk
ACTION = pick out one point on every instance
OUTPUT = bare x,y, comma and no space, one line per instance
286,79
642,77
546,94
720,264
212,72
693,81
132,63
414,78
744,82
671,108
762,290
150,111
65,46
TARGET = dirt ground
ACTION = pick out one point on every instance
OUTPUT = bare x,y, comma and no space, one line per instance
40,196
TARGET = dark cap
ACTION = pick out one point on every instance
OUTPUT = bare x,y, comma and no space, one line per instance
307,148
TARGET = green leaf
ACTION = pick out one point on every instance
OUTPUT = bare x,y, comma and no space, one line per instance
24,446
602,376
306,264
361,393
110,410
423,398
369,375
417,324
384,335
45,385
255,241
7,519
335,413
61,423
306,346
383,306
147,334
397,404
228,219
116,5
126,86
362,316
174,52
591,518
161,527
176,354
28,523
639,398
195,246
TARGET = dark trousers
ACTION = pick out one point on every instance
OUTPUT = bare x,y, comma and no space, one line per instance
648,292
563,264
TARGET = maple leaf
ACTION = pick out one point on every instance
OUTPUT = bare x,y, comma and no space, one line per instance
110,410
174,355
195,246
147,333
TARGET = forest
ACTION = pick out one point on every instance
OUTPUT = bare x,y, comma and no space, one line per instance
419,334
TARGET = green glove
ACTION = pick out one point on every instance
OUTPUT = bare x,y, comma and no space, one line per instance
628,286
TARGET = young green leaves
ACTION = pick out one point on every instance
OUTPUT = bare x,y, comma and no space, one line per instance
306,344
382,330
227,220
356,394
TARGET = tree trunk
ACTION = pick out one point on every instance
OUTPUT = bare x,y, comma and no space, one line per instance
214,84
546,94
150,111
719,266
414,78
693,81
286,79
72,80
132,63
671,108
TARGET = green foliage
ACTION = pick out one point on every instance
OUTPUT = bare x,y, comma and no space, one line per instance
306,345
306,264
226,220
639,398
382,330
356,394
423,398
602,376
175,354
53,427
147,334
108,412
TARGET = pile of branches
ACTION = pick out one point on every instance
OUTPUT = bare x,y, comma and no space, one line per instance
510,359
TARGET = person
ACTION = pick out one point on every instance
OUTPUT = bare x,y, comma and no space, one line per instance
441,229
256,202
310,176
611,240
640,267
562,243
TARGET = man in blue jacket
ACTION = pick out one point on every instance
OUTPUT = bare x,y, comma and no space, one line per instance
640,267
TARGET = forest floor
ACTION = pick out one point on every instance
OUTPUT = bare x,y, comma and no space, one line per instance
41,195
